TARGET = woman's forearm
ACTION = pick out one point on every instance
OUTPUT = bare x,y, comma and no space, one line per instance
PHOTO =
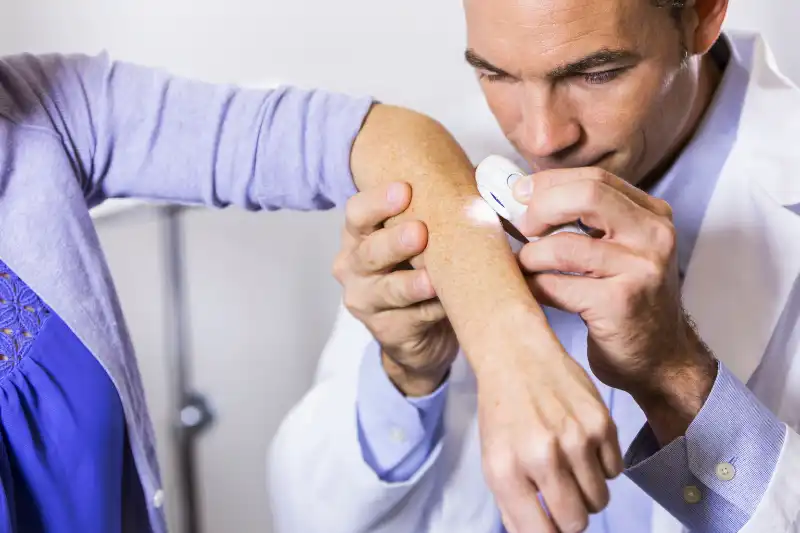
468,257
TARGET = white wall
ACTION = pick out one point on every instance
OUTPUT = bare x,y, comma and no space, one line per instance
261,303
777,21
260,311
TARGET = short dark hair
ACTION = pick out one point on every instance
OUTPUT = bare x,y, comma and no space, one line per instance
675,7
675,11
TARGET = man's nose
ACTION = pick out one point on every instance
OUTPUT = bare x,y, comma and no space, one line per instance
549,126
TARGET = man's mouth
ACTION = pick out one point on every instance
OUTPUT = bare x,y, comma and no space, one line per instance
596,162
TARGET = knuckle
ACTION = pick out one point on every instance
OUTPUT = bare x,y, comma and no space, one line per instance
574,438
500,466
598,425
665,237
339,268
352,302
367,256
397,291
353,212
663,208
543,453
366,249
591,193
349,206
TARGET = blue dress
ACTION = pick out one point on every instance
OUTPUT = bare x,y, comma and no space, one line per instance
65,462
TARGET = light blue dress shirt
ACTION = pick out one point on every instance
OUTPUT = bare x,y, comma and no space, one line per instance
750,440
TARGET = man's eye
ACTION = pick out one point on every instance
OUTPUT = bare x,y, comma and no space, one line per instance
602,77
492,76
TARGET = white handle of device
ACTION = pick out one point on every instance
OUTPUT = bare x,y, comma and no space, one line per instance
496,176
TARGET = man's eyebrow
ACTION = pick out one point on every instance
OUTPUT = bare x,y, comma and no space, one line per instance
480,63
598,59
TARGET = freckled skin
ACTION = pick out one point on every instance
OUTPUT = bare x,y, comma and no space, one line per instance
635,122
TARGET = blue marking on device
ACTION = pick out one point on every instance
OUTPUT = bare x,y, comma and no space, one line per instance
495,197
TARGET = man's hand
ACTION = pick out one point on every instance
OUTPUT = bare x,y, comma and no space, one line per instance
640,339
397,304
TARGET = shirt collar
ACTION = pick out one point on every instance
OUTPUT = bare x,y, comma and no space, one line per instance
691,180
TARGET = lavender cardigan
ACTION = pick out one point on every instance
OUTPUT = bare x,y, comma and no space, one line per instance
77,130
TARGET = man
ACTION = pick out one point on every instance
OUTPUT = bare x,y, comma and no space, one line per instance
76,448
605,100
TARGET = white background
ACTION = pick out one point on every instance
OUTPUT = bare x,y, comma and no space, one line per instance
262,299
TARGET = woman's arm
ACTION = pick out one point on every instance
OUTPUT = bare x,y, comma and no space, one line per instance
137,132
468,256
130,131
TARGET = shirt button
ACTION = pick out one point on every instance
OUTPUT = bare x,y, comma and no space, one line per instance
397,435
725,472
158,498
692,494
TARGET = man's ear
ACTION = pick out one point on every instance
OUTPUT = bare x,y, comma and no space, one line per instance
705,23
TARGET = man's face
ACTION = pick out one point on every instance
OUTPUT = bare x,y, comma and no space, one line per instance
583,82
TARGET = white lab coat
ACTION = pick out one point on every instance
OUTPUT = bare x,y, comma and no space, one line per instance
744,267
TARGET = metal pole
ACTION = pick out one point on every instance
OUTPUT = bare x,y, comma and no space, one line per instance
192,413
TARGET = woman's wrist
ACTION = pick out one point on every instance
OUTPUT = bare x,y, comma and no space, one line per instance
518,328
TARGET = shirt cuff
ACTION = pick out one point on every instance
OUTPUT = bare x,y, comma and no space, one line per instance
397,434
713,478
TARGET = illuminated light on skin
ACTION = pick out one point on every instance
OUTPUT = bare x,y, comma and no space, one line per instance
479,212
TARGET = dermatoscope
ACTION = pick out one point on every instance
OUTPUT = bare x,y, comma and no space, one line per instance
496,176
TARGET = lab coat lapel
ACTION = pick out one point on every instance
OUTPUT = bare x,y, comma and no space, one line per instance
747,256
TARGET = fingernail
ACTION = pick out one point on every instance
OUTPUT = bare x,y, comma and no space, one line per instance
523,189
406,238
520,222
423,285
394,193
